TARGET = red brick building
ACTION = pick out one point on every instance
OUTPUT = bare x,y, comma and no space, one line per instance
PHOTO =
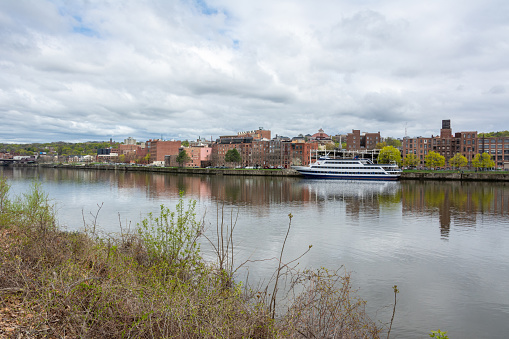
446,144
262,152
357,141
158,149
497,147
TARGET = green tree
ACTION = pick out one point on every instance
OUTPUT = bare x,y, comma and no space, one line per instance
389,154
146,158
458,161
483,161
434,159
183,157
389,141
232,156
185,143
330,146
411,160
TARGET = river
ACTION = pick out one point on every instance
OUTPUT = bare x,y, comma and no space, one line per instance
444,244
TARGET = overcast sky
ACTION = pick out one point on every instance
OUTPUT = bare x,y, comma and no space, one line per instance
179,69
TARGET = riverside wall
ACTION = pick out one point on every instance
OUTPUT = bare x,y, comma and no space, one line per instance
469,176
437,175
184,170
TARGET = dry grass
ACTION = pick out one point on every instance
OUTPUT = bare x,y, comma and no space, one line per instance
56,284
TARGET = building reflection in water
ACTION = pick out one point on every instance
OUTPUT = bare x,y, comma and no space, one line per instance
456,204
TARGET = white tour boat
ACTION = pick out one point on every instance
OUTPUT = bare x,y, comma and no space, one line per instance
352,169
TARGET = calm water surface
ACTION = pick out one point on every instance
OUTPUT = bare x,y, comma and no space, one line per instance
446,245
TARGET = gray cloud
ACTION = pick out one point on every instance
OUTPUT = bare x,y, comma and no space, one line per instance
92,70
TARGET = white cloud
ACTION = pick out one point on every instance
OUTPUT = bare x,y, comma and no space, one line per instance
96,69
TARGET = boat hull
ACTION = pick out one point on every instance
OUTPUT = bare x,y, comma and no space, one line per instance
350,177
317,174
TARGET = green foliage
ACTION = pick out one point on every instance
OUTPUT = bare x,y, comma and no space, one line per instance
494,134
458,161
172,236
389,154
330,146
483,161
34,209
411,160
183,157
185,143
232,156
439,334
4,202
434,159
61,148
389,141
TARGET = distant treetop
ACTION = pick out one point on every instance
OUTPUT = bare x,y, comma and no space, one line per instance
494,134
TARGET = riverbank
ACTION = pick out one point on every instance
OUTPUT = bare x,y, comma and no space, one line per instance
491,176
184,170
152,282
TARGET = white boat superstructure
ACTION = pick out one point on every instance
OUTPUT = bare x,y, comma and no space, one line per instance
353,169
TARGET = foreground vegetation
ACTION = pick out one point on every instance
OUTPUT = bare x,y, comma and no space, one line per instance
153,283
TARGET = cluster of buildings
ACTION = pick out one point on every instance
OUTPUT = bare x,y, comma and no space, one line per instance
258,148
468,144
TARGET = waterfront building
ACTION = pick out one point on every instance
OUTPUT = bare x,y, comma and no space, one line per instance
497,147
257,150
357,141
158,149
446,144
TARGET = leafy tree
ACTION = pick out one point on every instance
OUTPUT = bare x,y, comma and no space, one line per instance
434,159
483,161
232,156
183,157
330,146
185,143
389,141
343,145
458,161
393,142
411,160
389,154
146,158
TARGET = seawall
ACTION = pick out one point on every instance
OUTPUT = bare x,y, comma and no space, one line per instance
437,175
184,170
477,176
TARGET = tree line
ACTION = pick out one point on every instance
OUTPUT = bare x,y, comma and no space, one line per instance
60,148
390,154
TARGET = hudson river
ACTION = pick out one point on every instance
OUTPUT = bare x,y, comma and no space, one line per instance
445,244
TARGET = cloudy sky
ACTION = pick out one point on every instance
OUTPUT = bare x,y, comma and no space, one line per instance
180,69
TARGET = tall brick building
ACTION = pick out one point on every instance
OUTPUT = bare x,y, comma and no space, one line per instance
445,144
